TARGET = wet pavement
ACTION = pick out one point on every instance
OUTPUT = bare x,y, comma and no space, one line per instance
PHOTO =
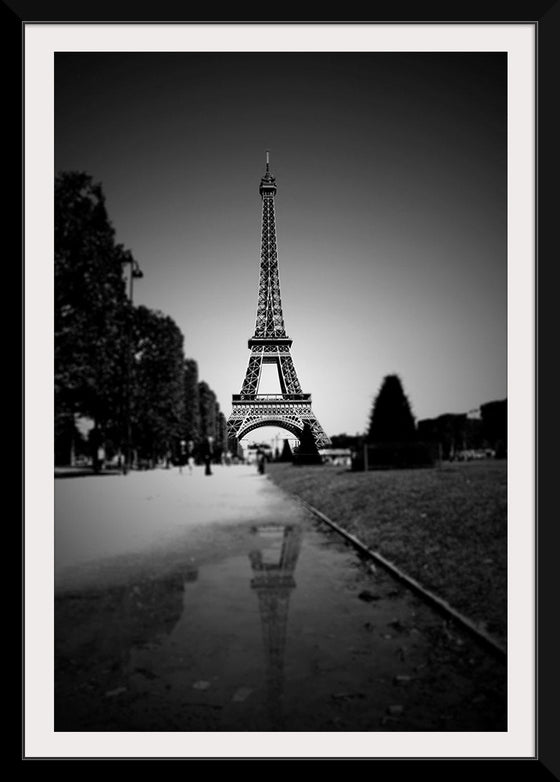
260,624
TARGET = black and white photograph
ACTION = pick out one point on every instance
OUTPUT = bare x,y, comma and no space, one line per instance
283,285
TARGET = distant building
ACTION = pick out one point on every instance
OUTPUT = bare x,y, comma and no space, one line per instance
338,457
250,452
480,433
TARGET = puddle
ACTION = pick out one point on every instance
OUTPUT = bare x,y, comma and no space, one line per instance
291,632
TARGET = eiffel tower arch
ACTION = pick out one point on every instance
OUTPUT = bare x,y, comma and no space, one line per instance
291,409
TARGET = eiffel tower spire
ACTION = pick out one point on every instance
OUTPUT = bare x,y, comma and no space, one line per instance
270,322
271,345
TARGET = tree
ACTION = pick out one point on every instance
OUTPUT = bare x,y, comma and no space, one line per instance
307,452
191,422
286,455
158,400
354,442
391,441
207,408
391,419
91,308
447,433
494,426
221,430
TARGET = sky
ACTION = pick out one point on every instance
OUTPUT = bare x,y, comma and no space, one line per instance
390,212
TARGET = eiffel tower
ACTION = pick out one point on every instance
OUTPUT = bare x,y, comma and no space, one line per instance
291,409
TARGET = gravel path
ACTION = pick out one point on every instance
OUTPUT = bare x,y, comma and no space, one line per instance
154,507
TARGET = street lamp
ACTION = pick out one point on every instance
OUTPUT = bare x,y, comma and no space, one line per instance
135,274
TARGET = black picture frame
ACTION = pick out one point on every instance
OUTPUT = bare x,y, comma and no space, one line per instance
546,18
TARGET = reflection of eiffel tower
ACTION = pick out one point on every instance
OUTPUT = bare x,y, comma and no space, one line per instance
273,582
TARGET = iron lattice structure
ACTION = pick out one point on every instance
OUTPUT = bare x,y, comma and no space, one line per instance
291,409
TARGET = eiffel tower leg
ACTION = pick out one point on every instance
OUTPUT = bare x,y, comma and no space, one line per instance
289,374
321,439
233,426
253,374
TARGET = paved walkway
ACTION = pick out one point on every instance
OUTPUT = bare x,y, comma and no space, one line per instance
100,516
194,603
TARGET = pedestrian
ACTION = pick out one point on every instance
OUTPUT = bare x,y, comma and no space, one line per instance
208,454
97,450
182,455
261,458
190,456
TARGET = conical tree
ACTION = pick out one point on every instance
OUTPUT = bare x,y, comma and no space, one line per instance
286,455
391,441
391,419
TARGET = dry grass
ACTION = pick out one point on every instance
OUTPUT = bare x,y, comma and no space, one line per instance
445,527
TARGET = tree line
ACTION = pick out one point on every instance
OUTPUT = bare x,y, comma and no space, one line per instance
394,439
120,370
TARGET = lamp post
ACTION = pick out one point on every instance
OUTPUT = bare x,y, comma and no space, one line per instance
135,274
